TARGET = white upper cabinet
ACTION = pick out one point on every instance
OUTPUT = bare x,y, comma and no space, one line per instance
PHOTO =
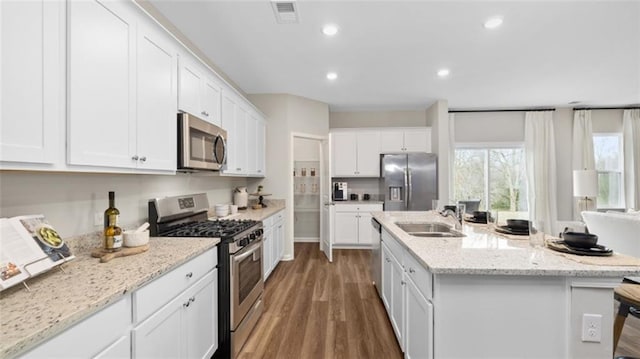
405,140
31,80
261,132
122,88
199,93
101,118
355,154
251,135
156,100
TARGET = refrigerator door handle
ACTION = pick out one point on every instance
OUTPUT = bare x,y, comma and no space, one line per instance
409,189
406,189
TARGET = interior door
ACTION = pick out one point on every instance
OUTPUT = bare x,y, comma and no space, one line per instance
326,208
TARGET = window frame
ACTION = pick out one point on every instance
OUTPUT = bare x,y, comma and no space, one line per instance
620,136
486,146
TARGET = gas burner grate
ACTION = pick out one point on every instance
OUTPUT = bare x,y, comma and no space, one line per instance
218,229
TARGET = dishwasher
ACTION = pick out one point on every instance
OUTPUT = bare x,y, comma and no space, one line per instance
376,256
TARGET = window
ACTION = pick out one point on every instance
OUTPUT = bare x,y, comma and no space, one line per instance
495,176
607,150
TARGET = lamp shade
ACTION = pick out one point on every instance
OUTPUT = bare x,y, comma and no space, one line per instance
585,183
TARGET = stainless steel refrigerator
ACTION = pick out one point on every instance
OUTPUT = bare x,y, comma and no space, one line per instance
408,181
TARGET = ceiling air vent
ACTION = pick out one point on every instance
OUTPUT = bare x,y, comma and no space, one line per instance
285,11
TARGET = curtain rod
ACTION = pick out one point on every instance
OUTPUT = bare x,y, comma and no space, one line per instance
607,108
507,110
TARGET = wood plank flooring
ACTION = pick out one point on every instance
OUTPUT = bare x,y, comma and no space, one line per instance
317,309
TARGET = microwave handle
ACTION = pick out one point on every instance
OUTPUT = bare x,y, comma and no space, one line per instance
224,151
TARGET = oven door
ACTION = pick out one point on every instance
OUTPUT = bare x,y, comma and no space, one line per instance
246,281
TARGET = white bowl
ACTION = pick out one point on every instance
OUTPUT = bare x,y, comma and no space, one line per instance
135,239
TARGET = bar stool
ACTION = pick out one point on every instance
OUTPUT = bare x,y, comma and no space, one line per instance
628,295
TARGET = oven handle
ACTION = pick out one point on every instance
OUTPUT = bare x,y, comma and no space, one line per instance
239,258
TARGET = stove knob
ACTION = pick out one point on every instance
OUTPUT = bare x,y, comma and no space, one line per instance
259,232
243,242
252,237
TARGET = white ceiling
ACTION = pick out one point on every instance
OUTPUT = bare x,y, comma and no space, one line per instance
387,53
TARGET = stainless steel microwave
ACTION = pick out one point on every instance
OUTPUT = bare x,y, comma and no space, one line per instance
201,144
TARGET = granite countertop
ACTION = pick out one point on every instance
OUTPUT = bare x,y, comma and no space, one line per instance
83,288
482,252
273,206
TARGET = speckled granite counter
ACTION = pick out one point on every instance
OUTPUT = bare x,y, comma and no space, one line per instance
274,206
482,252
58,300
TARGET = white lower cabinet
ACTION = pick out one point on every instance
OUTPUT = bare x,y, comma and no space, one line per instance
272,242
407,294
184,328
352,223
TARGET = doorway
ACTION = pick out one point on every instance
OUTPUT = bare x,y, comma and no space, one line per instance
306,189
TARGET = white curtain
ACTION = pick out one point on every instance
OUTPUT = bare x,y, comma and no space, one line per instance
631,141
583,158
452,154
540,154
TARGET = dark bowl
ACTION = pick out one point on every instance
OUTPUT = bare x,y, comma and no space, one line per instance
579,239
480,214
450,207
521,224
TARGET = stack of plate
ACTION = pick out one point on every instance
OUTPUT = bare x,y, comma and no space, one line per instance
516,227
221,210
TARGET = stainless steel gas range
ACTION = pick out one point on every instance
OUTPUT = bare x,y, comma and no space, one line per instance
240,277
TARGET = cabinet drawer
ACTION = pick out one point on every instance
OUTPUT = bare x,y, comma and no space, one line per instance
278,217
154,295
419,274
394,247
358,207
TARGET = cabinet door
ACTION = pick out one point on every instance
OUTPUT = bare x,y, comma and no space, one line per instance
210,101
252,148
391,141
189,84
364,228
157,100
419,317
267,244
386,277
397,300
241,140
343,154
346,228
201,336
417,140
30,81
162,335
121,348
229,110
260,146
101,116
368,154
280,246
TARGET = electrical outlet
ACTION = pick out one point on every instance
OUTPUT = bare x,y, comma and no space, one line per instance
98,219
591,328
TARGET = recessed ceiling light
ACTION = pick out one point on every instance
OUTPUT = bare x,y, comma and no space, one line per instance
493,22
332,75
443,72
329,29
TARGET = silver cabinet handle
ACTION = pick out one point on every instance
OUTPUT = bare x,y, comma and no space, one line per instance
192,299
411,270
190,274
238,169
403,282
387,259
186,304
204,113
142,159
135,157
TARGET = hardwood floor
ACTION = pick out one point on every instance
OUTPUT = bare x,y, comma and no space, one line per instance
317,309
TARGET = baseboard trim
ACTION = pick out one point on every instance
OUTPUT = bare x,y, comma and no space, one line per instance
306,240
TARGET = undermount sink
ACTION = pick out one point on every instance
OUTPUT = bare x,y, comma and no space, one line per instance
428,229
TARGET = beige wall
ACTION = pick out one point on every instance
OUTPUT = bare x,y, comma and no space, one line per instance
287,114
70,200
377,119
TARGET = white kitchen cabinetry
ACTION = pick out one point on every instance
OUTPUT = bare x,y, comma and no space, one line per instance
234,121
355,154
31,81
407,292
405,140
273,242
199,93
104,334
352,223
261,141
121,106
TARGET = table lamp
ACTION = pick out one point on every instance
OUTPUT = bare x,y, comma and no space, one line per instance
585,185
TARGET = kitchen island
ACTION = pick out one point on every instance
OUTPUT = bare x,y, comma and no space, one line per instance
481,296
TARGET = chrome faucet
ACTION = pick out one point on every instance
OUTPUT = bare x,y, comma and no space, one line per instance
450,213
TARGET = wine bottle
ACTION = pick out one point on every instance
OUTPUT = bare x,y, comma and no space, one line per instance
112,232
